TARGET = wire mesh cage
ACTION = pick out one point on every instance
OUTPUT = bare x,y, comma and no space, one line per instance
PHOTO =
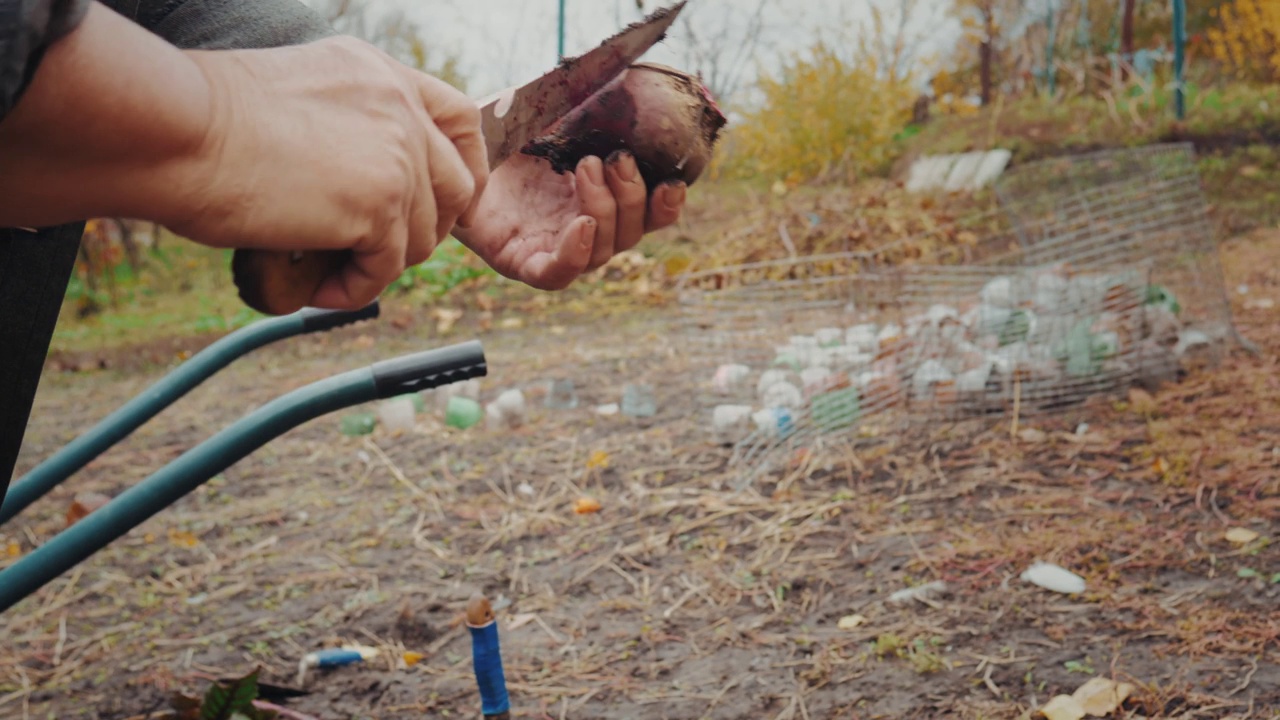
1104,277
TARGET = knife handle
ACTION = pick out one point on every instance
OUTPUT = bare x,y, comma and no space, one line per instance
280,282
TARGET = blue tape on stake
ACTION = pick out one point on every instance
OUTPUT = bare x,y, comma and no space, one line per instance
486,657
336,657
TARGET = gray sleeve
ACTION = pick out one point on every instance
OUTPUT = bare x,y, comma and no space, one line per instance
226,24
27,28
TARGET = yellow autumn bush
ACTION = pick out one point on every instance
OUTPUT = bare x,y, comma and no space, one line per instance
822,116
1247,40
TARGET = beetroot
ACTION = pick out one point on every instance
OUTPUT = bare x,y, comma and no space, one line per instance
665,118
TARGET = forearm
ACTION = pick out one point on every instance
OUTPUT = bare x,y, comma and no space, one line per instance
109,126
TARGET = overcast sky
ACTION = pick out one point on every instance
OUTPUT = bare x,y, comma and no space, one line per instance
509,42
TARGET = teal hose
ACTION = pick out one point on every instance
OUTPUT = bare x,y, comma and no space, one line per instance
140,502
135,505
119,424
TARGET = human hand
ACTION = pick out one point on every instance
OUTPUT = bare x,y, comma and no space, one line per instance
545,229
332,145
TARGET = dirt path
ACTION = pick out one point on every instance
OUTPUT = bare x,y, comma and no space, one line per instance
680,599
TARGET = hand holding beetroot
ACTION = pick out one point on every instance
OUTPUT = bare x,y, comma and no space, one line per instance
556,210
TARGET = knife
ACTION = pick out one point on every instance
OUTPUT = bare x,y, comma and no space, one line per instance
278,282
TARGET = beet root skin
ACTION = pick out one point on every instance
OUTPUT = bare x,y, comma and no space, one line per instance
665,118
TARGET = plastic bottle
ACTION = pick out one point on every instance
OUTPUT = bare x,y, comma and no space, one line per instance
638,400
462,412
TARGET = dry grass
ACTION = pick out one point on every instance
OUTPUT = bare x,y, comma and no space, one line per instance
681,598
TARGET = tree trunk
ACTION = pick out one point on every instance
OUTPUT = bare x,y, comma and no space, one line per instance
985,52
1126,38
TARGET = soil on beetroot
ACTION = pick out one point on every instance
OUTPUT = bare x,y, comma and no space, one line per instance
680,598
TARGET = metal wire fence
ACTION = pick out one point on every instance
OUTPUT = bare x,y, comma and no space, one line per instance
1088,276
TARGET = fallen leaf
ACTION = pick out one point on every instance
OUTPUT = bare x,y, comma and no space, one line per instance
598,459
1160,467
676,265
1062,707
182,538
83,504
511,323
1241,536
412,658
402,321
445,319
14,549
849,622
586,505
1101,696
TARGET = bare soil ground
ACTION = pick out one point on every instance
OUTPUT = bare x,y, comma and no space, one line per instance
680,598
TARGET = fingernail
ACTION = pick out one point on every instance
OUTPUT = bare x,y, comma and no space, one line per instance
675,195
627,170
595,170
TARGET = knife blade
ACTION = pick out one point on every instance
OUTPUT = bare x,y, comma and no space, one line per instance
513,118
278,282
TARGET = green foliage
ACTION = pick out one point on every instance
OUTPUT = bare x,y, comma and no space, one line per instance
211,322
920,653
1084,667
823,116
1246,38
1037,127
224,701
450,266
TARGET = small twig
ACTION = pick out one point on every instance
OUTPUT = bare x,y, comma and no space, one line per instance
543,624
62,640
1248,678
1017,405
991,685
606,560
635,585
920,554
804,709
1213,505
733,682
785,236
681,601
403,480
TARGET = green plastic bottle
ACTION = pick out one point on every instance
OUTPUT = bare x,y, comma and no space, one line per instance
462,412
358,424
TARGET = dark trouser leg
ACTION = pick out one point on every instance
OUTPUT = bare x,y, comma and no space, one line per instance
34,271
